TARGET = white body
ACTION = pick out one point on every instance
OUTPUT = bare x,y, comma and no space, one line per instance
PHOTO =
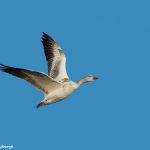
61,93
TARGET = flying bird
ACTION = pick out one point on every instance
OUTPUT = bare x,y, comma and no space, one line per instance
55,85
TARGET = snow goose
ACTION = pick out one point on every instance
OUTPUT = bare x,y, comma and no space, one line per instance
55,85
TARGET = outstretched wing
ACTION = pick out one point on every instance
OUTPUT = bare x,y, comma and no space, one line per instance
39,80
55,58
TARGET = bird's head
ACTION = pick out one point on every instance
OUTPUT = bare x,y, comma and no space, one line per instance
90,78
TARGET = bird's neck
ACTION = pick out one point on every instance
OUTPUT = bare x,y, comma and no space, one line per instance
80,82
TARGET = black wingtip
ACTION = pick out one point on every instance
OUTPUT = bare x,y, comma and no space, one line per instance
45,34
46,38
3,67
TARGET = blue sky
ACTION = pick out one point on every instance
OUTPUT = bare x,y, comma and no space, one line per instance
109,39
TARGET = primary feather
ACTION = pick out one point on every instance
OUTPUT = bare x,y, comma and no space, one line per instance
55,57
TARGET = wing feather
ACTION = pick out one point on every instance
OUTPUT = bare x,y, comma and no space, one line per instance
55,58
38,79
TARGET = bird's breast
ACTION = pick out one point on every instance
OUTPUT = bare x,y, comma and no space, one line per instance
61,93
